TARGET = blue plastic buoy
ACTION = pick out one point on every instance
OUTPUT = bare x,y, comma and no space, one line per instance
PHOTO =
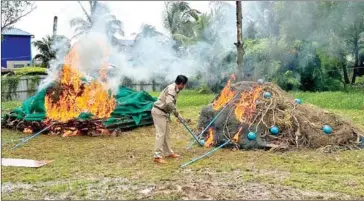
274,130
298,101
327,129
202,142
267,94
252,136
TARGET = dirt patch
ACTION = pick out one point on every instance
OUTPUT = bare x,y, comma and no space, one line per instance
202,185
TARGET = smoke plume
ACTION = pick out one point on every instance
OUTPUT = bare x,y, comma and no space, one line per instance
279,26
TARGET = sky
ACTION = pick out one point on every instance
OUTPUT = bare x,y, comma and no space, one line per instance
132,13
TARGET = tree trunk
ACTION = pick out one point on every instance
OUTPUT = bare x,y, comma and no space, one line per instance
345,70
356,62
55,21
240,44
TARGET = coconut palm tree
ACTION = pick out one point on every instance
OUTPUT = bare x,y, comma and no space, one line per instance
97,15
48,48
147,30
180,18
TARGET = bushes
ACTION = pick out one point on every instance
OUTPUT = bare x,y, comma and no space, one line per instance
31,71
10,82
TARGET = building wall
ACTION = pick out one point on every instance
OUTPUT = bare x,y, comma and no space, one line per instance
17,64
15,48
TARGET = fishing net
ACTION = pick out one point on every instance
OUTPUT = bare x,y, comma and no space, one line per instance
254,112
132,110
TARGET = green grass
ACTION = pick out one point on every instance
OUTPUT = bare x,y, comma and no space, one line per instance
80,159
10,105
190,98
348,104
334,100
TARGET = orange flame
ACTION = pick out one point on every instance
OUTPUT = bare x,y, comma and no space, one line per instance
236,136
75,97
210,139
71,133
246,107
28,131
225,96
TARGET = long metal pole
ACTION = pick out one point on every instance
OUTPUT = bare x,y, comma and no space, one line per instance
33,136
189,130
206,154
213,120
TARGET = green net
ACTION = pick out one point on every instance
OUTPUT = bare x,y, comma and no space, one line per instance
132,109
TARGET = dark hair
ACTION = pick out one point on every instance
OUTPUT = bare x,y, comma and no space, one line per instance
181,79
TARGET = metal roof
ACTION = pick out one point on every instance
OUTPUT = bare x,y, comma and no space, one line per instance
15,31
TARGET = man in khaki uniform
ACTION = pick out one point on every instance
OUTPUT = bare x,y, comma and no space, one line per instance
163,107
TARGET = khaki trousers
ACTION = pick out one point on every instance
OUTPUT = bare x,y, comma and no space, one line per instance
162,137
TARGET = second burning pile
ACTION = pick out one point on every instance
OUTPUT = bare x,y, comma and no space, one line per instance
261,115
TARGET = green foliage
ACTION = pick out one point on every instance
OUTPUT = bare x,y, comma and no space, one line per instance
97,11
288,81
49,47
34,83
11,84
31,71
204,89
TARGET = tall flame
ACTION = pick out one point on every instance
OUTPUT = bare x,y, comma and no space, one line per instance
236,136
246,106
74,97
210,139
225,96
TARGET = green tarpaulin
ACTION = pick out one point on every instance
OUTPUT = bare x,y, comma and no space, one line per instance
132,109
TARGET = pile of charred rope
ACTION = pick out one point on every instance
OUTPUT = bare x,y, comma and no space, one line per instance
249,115
264,116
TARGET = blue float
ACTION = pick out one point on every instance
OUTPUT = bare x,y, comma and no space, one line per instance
327,129
267,94
274,130
298,101
252,136
202,142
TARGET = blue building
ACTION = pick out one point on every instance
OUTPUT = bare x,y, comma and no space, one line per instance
15,48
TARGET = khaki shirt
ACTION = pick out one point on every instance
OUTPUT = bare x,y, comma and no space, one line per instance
167,99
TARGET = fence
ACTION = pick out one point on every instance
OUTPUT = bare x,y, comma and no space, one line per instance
19,89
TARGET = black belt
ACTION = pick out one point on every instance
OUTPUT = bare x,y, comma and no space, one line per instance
160,109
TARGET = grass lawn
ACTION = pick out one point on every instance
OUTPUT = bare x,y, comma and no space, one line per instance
122,168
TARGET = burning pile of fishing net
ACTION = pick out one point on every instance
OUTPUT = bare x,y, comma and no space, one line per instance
261,115
73,105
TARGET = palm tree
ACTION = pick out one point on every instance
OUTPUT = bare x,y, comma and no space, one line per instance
97,14
49,48
179,19
147,31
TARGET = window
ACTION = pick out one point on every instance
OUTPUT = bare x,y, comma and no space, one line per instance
18,65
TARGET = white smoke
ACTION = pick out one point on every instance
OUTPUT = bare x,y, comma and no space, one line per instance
155,57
